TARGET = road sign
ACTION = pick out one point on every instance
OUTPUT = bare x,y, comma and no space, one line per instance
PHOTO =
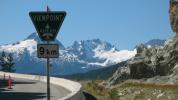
47,24
48,50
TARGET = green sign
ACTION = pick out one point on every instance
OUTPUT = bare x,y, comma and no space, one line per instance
47,24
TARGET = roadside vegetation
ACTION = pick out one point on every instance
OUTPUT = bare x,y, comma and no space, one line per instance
99,91
131,90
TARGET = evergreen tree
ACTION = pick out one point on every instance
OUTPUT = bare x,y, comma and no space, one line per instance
3,54
7,62
10,63
3,60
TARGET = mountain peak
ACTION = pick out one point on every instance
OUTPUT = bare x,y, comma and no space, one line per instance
35,37
97,43
92,44
155,42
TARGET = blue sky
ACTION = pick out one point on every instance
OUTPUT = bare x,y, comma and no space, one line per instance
123,23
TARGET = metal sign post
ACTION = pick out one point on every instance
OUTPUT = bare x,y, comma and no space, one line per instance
47,25
48,77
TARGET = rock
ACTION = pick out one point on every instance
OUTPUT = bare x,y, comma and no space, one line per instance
148,63
160,95
171,44
140,70
173,15
140,48
175,70
162,68
122,74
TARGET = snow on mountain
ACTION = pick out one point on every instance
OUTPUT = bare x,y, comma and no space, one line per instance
81,57
114,56
85,49
30,45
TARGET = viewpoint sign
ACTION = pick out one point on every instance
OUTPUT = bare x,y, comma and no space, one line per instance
47,24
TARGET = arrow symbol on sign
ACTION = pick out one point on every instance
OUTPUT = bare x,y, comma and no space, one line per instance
47,35
47,26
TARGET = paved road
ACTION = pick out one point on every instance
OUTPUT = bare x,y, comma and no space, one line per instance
29,90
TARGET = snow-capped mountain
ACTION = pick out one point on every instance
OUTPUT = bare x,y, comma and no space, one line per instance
81,57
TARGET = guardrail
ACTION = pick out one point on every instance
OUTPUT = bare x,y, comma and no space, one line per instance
74,87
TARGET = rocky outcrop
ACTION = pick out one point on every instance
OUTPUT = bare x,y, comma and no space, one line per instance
173,11
140,70
156,63
147,63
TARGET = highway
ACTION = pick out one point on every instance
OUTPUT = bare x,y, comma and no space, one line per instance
23,89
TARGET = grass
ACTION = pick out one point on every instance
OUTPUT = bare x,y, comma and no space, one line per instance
132,90
152,91
97,90
152,86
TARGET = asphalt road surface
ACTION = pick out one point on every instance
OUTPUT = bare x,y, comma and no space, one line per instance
29,90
